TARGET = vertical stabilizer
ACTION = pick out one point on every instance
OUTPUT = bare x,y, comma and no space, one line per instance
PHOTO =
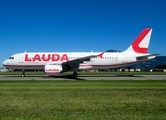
141,44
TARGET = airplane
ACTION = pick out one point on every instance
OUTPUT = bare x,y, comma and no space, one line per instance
55,63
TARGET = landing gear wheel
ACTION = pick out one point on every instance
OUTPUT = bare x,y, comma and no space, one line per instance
23,73
75,75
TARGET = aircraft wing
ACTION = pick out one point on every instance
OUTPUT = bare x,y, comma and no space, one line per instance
76,62
146,57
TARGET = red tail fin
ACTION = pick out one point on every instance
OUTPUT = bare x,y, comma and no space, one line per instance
141,44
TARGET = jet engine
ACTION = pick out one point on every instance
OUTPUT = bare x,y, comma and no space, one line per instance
53,69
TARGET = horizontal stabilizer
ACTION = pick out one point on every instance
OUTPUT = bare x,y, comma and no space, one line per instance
146,57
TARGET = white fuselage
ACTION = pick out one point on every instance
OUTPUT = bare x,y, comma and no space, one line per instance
39,60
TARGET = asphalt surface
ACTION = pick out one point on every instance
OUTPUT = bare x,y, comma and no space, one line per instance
87,77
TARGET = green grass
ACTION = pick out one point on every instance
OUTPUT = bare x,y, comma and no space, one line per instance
82,100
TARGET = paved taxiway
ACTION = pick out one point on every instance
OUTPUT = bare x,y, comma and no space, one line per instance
87,77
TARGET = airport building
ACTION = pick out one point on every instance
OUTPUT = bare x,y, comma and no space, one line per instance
3,69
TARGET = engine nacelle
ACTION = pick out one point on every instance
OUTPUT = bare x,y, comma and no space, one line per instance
53,69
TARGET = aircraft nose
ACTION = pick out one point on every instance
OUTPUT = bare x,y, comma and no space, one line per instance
5,63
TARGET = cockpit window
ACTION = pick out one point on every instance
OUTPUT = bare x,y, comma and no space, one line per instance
11,58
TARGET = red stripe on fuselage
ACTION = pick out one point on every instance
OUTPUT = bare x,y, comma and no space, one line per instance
42,66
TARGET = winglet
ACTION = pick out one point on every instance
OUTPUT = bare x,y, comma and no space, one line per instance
141,43
101,55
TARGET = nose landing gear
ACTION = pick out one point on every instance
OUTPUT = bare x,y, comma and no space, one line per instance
23,73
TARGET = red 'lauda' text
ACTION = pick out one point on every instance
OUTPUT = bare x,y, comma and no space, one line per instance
52,70
46,57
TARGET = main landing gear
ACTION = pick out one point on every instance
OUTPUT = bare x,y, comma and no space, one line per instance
75,75
23,73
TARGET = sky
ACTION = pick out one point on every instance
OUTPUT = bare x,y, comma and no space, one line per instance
79,25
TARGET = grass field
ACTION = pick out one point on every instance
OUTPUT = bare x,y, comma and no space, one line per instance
82,100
